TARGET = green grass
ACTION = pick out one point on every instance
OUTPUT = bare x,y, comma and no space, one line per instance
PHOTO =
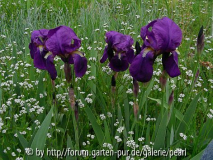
22,84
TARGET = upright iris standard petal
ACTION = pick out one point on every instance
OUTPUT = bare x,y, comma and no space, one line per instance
141,68
120,42
170,64
38,38
62,40
148,36
119,51
162,35
119,63
167,34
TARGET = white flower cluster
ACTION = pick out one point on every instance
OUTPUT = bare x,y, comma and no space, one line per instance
118,139
1,123
107,70
88,99
210,115
108,145
120,129
102,116
183,136
131,143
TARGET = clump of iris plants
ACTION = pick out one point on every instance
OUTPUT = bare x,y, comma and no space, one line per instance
63,42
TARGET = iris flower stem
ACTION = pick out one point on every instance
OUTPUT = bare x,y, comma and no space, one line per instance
114,92
55,108
162,102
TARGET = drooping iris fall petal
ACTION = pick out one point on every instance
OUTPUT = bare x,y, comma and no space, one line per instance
80,65
119,63
141,68
51,67
105,56
170,64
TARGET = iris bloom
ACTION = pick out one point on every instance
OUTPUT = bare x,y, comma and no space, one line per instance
119,51
63,42
161,36
39,53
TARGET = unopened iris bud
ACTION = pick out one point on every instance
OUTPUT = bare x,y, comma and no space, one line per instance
76,111
196,76
163,79
171,98
67,71
136,108
135,87
72,97
200,41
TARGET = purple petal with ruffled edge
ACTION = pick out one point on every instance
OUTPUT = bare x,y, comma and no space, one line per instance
170,64
105,56
141,68
162,35
147,36
62,40
51,67
80,65
167,34
117,64
120,42
38,37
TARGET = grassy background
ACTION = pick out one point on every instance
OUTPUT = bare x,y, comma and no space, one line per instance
20,81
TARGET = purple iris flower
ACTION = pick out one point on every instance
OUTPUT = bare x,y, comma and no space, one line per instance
119,51
161,36
63,42
41,57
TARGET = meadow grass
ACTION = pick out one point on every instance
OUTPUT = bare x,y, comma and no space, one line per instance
28,119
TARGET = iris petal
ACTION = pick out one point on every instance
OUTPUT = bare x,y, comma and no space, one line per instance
120,42
141,68
62,40
162,35
119,64
170,64
39,60
80,65
130,55
51,67
105,56
167,34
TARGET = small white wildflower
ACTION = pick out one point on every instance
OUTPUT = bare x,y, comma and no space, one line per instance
102,116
